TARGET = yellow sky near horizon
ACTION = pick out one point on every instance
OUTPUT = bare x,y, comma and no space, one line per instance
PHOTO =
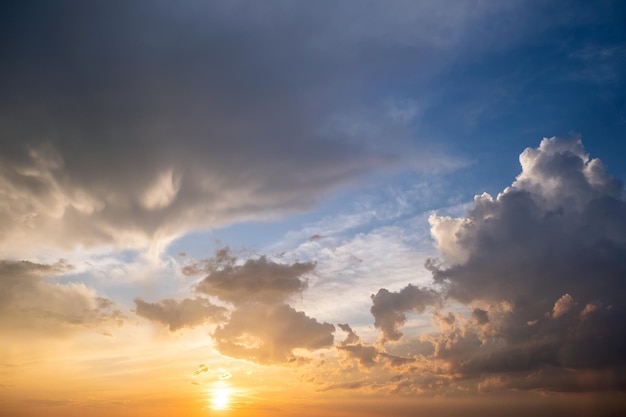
180,374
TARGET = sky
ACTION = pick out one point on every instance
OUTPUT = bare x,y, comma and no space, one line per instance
292,208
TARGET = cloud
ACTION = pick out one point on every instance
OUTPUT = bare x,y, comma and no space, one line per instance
180,314
539,271
563,305
173,122
365,354
351,338
259,326
256,280
202,368
268,334
29,300
202,115
389,307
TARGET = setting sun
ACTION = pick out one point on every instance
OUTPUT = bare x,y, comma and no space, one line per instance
221,398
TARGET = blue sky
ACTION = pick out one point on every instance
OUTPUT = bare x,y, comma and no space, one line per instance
209,173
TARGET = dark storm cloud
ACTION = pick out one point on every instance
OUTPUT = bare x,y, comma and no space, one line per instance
542,269
128,122
177,314
30,300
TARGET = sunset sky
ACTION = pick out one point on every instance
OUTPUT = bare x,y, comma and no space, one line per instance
312,208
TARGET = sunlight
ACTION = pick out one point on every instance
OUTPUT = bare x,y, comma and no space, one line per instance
220,398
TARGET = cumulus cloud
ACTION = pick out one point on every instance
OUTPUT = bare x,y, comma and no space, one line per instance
177,314
30,299
255,280
540,271
262,327
259,325
268,334
389,308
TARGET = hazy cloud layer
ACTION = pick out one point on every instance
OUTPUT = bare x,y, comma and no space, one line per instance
177,314
31,300
129,123
541,268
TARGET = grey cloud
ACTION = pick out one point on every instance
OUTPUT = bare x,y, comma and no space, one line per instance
541,270
221,258
365,354
128,123
351,338
179,314
255,280
270,333
389,308
480,316
30,300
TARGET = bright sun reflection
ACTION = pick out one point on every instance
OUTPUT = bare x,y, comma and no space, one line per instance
220,398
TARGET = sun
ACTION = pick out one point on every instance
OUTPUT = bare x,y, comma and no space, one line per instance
220,398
